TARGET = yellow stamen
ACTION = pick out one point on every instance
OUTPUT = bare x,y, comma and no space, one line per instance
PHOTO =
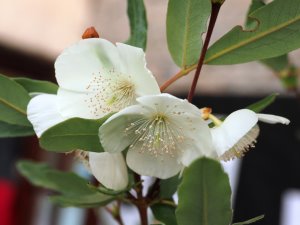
215,120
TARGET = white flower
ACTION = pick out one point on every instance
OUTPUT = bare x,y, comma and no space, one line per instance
238,133
163,134
95,77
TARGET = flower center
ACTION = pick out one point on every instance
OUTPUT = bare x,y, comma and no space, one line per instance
110,91
155,135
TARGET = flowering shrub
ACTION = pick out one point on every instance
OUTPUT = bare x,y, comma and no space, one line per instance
110,112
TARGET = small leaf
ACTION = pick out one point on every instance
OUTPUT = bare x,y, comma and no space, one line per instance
168,187
74,189
277,33
164,213
186,22
83,201
36,86
13,102
251,23
138,23
253,220
277,64
262,104
11,130
75,133
204,195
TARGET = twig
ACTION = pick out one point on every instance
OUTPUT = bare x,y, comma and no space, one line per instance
213,18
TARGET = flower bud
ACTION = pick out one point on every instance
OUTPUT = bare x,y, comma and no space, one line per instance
90,33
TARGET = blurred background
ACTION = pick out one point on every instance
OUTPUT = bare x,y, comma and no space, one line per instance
34,32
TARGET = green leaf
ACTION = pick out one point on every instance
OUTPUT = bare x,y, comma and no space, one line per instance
11,130
138,23
75,133
277,32
251,23
186,22
168,187
253,220
262,104
83,201
204,195
13,102
164,213
36,86
74,190
277,64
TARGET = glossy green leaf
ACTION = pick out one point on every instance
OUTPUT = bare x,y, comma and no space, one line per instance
138,23
168,187
277,32
262,104
36,86
164,213
204,195
74,190
13,102
253,220
75,133
11,130
186,22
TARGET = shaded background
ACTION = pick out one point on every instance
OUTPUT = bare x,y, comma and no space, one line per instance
34,32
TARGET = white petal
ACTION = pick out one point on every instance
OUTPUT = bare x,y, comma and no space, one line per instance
77,104
268,118
79,64
112,133
134,62
162,167
235,126
193,152
42,112
109,169
186,116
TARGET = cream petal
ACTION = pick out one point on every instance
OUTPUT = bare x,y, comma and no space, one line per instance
145,164
184,116
189,155
109,169
134,61
42,112
112,133
78,104
272,119
235,127
76,67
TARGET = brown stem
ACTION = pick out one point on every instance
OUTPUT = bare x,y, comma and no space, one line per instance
142,208
171,80
177,76
141,202
213,18
154,190
115,213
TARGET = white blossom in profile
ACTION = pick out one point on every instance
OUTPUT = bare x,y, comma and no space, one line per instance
237,134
